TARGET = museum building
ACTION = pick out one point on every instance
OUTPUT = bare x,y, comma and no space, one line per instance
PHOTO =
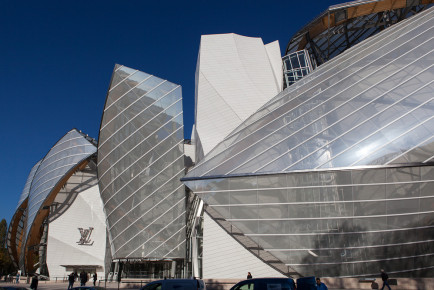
318,163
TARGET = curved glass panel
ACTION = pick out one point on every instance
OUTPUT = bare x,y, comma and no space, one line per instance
26,189
140,163
354,105
64,156
332,220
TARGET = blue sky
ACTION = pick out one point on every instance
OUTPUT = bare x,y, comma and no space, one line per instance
57,58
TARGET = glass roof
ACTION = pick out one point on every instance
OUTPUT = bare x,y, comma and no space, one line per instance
26,189
371,105
67,153
344,25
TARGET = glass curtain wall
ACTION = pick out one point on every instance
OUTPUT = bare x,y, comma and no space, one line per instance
334,223
371,105
140,163
296,65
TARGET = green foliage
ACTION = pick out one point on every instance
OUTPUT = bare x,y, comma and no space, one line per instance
6,265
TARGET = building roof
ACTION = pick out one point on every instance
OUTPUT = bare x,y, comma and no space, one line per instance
370,106
344,25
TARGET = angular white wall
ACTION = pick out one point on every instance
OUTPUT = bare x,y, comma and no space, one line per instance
235,75
63,235
225,258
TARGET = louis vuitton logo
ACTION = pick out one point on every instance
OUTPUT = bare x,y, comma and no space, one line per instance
85,237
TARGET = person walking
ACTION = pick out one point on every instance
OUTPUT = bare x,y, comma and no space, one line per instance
249,275
385,278
71,279
95,277
83,278
18,277
34,284
320,285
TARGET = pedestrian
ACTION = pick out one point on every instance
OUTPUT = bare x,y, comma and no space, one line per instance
34,284
71,279
320,285
249,275
95,277
18,277
384,277
83,278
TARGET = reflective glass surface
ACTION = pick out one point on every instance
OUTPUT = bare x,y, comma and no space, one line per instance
333,223
371,105
66,154
296,65
26,189
140,163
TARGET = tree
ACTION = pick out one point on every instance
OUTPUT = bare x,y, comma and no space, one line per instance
6,265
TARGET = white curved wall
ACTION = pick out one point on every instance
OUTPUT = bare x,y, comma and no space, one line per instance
64,235
235,75
225,258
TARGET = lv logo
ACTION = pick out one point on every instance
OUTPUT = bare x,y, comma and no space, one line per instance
85,237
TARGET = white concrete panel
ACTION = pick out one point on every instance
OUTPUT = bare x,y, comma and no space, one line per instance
63,246
273,51
225,258
235,75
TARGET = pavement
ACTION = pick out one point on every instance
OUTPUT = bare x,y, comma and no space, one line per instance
51,285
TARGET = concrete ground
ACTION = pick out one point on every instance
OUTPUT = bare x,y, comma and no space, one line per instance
332,283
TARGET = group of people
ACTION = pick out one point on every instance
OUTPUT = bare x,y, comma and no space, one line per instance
321,286
84,277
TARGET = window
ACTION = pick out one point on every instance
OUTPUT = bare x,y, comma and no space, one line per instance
155,286
245,286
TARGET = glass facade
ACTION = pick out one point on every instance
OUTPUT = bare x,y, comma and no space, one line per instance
140,163
334,223
44,182
17,225
334,176
371,105
60,160
344,25
296,65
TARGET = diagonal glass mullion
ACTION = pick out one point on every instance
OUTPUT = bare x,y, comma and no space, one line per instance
120,66
136,177
122,80
373,133
139,158
156,218
319,105
45,173
163,242
131,223
135,101
169,179
45,164
138,174
146,138
309,99
150,105
144,169
35,191
411,149
361,123
138,144
394,139
361,48
177,246
175,219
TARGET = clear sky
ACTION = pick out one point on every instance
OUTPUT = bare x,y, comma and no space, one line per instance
57,58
